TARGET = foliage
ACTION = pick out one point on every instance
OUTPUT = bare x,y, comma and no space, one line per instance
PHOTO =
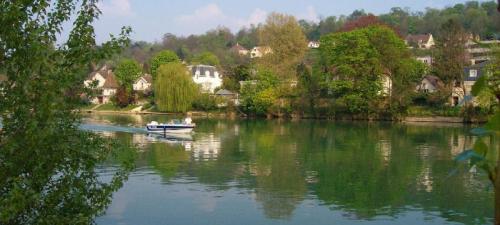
232,78
482,155
127,72
450,58
259,97
288,44
162,58
358,61
123,97
174,89
48,165
205,58
205,102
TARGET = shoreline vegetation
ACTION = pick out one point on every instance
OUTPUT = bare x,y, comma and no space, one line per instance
239,115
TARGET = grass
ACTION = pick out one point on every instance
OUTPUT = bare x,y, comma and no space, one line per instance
112,107
87,107
433,111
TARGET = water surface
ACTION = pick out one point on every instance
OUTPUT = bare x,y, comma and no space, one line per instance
297,172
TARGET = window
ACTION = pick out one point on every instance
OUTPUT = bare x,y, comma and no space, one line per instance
473,73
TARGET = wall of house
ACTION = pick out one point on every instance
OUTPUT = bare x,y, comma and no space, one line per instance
97,77
207,82
141,85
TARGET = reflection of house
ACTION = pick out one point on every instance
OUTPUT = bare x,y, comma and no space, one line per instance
143,83
424,41
3,78
429,84
471,74
313,44
104,82
240,49
206,148
260,51
207,77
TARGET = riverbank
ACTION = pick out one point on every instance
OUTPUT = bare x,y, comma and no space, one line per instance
234,115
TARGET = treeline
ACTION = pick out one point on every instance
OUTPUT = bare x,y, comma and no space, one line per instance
479,18
362,69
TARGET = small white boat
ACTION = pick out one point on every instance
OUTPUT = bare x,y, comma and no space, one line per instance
174,126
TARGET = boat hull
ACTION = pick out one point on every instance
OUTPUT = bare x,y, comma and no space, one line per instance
169,128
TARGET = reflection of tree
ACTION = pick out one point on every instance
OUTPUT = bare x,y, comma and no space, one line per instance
280,184
167,159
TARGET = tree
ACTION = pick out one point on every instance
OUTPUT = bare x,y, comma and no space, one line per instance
450,58
127,72
206,58
175,91
288,44
48,171
360,60
162,58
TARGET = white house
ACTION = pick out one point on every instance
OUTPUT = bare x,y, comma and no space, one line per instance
313,44
427,60
240,50
143,83
429,84
104,82
471,74
260,51
425,41
206,76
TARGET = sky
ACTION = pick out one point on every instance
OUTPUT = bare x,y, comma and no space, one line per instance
150,19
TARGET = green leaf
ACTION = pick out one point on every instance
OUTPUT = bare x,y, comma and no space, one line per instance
494,122
479,85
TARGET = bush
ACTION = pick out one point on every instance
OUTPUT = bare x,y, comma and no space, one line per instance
123,97
205,102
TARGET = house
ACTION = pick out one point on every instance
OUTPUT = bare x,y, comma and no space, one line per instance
228,95
427,60
480,51
206,76
386,84
104,82
471,75
424,41
429,84
143,83
313,44
242,51
260,51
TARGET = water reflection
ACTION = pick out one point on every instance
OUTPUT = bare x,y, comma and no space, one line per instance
354,171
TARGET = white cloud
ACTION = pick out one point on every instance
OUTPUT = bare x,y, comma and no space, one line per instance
115,8
256,17
211,16
309,15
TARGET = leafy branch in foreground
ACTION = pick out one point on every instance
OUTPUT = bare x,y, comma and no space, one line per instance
47,164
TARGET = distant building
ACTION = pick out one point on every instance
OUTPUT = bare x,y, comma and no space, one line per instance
471,75
143,83
429,84
228,95
260,51
104,82
240,50
479,51
206,76
427,60
313,44
424,41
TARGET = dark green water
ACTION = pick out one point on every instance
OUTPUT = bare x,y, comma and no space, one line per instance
304,172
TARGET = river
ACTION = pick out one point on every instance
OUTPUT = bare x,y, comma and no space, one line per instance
297,172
